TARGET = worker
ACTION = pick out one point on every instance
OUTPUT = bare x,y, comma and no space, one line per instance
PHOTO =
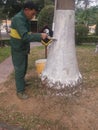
20,44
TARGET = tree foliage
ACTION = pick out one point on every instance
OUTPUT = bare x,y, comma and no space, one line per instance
88,16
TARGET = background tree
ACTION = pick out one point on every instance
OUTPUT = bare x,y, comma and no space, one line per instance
88,16
14,6
10,7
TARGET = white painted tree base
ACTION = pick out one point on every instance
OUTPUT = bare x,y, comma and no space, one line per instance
61,69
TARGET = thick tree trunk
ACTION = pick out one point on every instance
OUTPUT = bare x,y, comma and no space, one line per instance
61,69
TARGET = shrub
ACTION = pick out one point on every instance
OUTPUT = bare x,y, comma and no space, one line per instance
45,17
87,39
80,31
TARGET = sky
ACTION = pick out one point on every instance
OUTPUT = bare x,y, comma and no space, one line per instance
92,3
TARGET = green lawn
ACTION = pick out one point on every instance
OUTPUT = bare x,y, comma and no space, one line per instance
4,53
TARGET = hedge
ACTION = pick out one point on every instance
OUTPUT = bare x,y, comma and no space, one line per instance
87,39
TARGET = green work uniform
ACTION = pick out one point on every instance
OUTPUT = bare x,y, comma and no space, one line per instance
20,47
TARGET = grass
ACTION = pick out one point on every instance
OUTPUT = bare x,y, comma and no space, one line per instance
31,122
54,113
4,53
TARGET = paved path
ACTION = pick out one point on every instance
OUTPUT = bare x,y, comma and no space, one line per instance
6,67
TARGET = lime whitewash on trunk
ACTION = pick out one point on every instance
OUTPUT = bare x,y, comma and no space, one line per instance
61,69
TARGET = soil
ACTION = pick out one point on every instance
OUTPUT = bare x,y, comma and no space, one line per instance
78,112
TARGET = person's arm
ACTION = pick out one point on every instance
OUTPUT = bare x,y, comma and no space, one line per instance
25,35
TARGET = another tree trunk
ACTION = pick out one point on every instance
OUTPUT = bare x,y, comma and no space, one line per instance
61,70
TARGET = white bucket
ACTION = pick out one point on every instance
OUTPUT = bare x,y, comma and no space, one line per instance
40,65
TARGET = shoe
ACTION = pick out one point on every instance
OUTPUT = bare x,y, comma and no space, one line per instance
22,95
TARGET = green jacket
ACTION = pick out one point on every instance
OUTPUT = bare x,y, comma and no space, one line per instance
22,25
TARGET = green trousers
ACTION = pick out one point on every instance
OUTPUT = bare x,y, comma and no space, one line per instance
20,62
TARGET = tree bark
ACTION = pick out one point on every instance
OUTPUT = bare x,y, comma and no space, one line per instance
61,70
65,4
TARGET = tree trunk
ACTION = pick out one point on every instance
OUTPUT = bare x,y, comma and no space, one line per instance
61,70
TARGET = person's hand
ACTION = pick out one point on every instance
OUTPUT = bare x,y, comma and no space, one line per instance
44,35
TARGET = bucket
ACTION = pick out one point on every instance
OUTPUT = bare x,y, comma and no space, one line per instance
40,65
